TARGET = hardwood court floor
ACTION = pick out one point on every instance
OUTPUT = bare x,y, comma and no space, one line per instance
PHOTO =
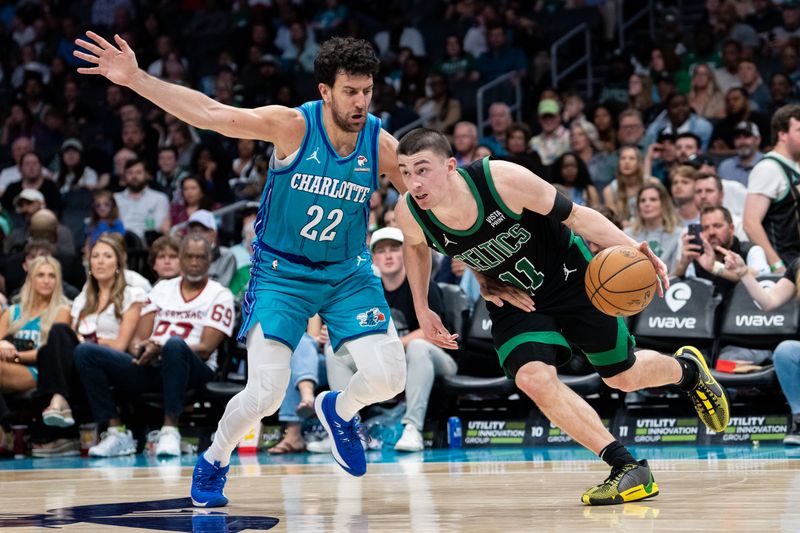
493,490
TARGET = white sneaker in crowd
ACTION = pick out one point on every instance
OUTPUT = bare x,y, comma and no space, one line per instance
410,440
169,442
115,442
319,446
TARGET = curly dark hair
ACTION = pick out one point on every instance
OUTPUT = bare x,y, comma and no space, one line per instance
348,55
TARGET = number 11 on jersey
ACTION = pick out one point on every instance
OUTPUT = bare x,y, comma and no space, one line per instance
532,277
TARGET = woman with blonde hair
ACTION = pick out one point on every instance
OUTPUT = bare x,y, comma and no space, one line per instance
106,312
705,97
656,222
621,194
25,326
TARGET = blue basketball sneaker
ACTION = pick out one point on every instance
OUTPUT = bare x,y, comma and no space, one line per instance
346,442
208,481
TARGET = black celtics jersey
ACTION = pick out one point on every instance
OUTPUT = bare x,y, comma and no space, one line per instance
527,251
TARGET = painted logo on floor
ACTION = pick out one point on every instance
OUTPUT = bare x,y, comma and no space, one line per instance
176,514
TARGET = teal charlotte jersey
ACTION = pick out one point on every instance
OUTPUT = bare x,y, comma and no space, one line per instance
318,206
310,254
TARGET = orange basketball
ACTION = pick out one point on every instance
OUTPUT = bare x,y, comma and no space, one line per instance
620,281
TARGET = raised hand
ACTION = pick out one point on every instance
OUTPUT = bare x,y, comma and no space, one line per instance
658,264
117,64
734,262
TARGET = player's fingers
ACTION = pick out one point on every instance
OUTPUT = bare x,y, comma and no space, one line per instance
123,45
99,40
91,58
93,48
92,70
523,303
494,299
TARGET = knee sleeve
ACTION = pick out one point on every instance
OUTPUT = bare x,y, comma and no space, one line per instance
386,372
264,394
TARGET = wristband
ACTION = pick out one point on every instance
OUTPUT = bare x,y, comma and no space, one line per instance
776,265
718,268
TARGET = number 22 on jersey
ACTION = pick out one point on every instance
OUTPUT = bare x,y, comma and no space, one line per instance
317,214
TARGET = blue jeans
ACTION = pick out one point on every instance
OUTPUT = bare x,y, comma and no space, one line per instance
305,366
101,368
787,366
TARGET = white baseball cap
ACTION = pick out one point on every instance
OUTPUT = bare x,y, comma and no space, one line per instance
29,195
204,218
385,234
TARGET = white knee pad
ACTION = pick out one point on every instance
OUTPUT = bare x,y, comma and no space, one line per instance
393,358
268,375
381,361
266,394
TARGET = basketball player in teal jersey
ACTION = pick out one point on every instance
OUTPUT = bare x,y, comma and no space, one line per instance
310,254
516,233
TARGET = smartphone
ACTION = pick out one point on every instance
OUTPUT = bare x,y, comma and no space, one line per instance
694,231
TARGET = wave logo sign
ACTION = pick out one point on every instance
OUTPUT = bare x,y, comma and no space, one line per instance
677,296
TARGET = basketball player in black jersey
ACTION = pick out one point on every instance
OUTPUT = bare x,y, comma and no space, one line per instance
521,239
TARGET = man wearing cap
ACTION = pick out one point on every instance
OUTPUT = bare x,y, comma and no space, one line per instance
223,262
32,178
746,140
28,203
553,142
424,360
142,209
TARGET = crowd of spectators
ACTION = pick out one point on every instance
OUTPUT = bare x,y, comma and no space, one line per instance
104,194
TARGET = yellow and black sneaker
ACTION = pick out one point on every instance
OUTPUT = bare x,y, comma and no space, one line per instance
632,482
708,396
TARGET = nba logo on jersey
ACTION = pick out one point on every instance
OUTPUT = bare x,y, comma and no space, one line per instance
371,318
362,160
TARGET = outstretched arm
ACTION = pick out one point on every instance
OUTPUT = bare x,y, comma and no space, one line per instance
118,64
417,260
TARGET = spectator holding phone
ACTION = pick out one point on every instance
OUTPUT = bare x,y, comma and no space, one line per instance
702,254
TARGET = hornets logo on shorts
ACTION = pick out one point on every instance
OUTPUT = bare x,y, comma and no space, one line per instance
371,318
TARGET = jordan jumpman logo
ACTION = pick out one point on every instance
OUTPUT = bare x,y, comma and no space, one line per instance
567,272
314,156
447,241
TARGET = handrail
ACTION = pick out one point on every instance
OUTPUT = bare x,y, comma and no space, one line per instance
230,208
586,59
513,77
622,24
408,127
